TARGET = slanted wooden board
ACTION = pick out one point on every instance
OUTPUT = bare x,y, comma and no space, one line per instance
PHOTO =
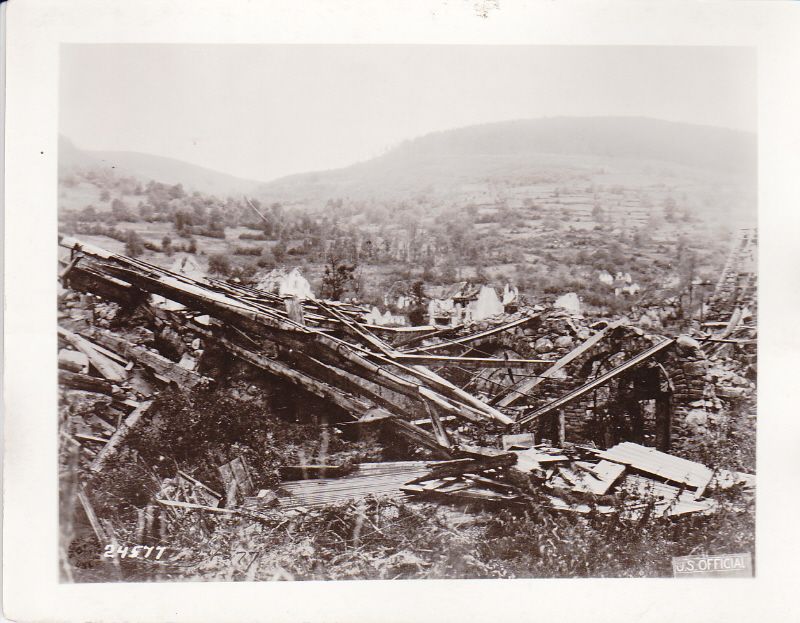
476,336
158,364
599,381
108,368
119,437
236,478
518,391
592,478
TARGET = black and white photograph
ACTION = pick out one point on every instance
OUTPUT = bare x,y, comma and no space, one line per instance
406,312
401,311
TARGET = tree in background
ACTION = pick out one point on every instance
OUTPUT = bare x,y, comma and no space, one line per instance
120,211
166,245
219,264
340,269
134,246
339,276
279,251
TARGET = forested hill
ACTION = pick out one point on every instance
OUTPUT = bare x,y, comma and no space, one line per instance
516,149
146,167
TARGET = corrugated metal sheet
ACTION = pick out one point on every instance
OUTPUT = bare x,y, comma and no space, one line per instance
652,461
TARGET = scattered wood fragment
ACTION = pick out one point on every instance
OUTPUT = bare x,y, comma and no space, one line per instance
118,438
84,382
158,364
100,533
525,386
238,483
109,369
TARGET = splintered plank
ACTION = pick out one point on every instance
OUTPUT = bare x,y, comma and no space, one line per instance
108,368
516,392
119,437
92,517
158,364
475,336
76,380
599,381
589,478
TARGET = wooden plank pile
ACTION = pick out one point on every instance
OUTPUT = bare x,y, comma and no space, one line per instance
327,349
322,346
628,479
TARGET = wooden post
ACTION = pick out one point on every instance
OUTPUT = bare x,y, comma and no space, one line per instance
637,421
562,427
664,422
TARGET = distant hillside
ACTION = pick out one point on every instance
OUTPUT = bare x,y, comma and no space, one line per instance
147,167
521,148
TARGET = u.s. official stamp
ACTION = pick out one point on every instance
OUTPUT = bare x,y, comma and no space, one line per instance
722,565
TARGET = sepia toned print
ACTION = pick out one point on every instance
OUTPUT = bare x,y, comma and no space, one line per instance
406,312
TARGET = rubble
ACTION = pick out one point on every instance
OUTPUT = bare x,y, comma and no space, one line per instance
538,407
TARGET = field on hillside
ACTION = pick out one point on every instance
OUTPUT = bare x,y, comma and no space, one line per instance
662,227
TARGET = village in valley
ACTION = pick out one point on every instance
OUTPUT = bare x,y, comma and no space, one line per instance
540,365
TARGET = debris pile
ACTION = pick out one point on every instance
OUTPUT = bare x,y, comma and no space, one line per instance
469,402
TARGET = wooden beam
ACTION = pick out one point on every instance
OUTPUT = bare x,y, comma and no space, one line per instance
575,394
517,391
476,336
110,369
119,437
84,382
155,362
470,362
101,535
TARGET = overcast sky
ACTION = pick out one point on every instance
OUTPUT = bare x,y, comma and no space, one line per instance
260,112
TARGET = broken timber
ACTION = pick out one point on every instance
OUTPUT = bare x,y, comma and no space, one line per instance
119,436
106,366
361,374
476,336
158,364
84,382
470,362
514,393
598,382
327,348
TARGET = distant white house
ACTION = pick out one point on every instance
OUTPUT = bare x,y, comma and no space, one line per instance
465,302
387,319
605,277
279,282
569,302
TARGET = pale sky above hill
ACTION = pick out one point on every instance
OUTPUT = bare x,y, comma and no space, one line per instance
261,112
